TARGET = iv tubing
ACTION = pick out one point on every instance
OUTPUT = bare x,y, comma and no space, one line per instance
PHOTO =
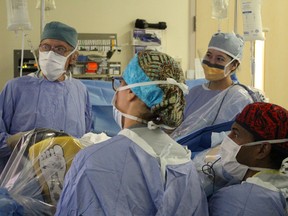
22,53
235,17
252,50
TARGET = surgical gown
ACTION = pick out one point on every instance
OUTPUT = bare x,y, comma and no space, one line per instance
30,102
205,107
127,176
262,195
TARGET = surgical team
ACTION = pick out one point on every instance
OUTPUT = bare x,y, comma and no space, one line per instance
143,170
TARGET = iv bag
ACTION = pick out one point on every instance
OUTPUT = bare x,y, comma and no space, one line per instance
220,9
18,17
49,5
252,22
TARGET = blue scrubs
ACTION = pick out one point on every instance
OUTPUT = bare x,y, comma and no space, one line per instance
247,199
205,107
123,176
30,102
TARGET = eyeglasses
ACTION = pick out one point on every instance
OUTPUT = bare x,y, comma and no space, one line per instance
116,82
61,50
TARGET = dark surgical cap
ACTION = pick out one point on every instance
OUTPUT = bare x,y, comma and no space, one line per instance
265,121
60,31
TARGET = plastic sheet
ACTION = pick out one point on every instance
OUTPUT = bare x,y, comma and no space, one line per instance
17,15
252,21
220,9
35,172
221,108
49,5
209,167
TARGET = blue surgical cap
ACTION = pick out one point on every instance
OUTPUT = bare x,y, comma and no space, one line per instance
230,43
151,95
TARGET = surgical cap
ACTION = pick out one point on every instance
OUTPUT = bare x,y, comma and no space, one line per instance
230,43
265,121
60,31
165,100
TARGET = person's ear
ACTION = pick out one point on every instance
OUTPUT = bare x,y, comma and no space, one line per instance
74,58
131,96
234,65
263,151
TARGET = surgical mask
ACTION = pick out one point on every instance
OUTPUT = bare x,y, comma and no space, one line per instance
118,115
214,72
229,150
151,125
52,64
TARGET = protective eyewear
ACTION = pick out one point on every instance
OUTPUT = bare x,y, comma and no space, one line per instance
61,50
116,82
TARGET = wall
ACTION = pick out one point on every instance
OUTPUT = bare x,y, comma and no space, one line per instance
276,54
103,16
274,16
112,16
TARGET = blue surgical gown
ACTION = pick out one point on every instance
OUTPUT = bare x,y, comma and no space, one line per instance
30,102
247,199
205,107
119,177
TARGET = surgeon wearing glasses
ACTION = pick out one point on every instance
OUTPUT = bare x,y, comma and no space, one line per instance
49,98
140,171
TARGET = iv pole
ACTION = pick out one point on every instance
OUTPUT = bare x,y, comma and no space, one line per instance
42,16
235,17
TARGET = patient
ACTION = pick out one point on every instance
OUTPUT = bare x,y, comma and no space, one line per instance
220,99
140,171
255,153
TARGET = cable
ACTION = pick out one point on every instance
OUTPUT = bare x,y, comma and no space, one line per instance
32,50
208,170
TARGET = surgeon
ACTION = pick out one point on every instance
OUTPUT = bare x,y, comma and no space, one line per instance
219,99
140,171
50,98
255,154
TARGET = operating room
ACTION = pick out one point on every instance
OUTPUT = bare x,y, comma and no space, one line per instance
181,40
189,25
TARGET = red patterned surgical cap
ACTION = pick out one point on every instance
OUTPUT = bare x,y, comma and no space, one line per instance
265,121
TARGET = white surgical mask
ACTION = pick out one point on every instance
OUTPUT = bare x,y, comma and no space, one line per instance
52,64
118,115
229,150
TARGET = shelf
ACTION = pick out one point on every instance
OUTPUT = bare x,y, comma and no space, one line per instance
95,48
97,43
93,76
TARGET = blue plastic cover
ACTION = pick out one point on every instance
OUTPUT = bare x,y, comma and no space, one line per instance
101,94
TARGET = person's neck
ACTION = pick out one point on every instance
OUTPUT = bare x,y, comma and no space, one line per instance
249,174
220,84
61,78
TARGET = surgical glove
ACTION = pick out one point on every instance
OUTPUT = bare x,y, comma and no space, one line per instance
13,139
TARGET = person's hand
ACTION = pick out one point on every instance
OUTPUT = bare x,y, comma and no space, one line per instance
13,139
